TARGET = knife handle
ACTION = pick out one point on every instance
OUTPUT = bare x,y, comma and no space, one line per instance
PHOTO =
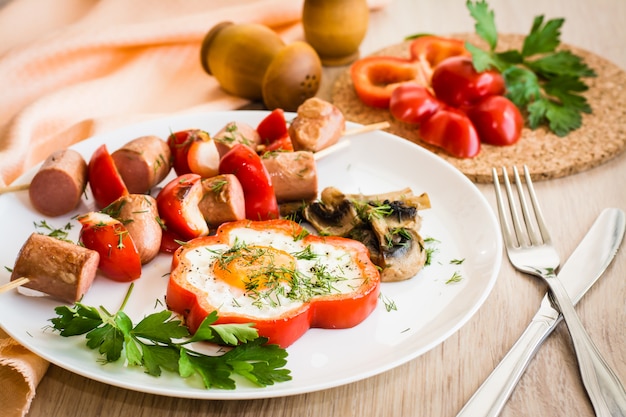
490,398
606,392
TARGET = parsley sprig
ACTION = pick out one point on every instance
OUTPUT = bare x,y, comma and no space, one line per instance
543,81
161,342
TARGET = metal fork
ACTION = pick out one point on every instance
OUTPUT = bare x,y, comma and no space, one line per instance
530,250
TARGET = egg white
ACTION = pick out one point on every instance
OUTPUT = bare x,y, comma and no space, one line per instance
335,261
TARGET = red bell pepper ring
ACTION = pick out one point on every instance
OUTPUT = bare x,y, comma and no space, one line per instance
246,165
105,181
430,50
336,308
451,130
375,78
119,257
178,207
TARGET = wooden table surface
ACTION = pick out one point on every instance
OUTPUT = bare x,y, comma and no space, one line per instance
439,382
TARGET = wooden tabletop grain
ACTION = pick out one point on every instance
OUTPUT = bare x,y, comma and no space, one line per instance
439,382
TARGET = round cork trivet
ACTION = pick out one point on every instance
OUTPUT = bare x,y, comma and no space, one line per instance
601,137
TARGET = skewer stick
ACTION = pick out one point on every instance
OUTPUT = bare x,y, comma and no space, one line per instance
331,149
366,128
13,284
13,188
345,143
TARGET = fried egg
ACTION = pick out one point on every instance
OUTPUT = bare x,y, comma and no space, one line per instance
265,273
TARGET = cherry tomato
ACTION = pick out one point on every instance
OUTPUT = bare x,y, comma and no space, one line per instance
273,127
451,130
274,133
412,103
105,181
178,207
179,143
170,242
119,258
497,120
375,78
458,84
202,157
247,166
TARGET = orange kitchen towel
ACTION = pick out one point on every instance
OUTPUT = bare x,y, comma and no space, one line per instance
20,372
72,68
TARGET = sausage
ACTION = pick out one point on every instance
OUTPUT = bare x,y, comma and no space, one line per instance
317,125
57,187
143,163
293,174
55,267
139,214
223,200
234,133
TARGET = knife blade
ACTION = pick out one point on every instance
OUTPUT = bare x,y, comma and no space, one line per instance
585,265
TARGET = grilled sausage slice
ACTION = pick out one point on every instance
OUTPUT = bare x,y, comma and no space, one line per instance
143,163
57,187
139,214
293,174
234,133
58,268
317,125
223,200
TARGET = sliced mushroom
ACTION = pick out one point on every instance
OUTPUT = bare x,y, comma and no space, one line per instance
387,224
403,258
334,215
366,236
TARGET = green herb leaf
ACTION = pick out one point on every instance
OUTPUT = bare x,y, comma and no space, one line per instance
485,22
542,39
159,327
541,80
159,342
77,320
108,340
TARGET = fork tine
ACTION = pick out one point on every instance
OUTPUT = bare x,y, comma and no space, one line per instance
533,234
507,234
545,235
522,236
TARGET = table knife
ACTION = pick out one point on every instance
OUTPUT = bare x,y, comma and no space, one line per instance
586,264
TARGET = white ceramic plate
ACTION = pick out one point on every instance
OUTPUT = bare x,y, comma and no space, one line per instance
428,310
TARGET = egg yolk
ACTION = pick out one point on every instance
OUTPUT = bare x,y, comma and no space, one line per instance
255,268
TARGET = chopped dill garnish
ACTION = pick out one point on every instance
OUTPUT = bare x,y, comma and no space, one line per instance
456,277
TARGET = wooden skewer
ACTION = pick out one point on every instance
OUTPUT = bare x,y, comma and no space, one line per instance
13,188
13,284
318,155
366,128
331,149
345,143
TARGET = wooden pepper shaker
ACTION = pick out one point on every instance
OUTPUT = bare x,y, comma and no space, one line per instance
335,28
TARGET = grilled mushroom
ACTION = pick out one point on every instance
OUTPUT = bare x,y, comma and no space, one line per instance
388,224
334,215
402,248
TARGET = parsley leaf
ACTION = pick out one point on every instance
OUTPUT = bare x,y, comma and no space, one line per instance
485,22
542,39
160,342
543,81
